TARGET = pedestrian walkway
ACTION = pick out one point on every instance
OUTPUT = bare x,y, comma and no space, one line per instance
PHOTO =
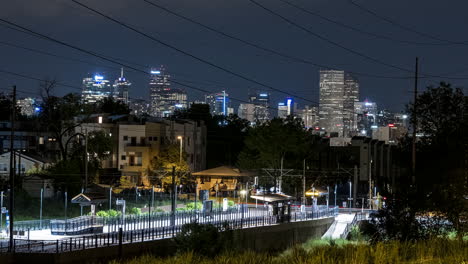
339,225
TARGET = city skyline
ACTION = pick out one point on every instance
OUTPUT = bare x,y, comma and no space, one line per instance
302,79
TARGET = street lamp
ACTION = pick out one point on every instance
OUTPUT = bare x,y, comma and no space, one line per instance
180,152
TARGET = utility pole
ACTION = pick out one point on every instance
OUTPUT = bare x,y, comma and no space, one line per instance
415,123
86,159
370,184
12,168
173,202
304,184
281,175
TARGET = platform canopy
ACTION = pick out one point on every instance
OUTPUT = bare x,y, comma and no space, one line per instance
86,199
223,171
272,197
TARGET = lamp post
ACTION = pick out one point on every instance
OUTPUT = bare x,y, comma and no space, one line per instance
180,152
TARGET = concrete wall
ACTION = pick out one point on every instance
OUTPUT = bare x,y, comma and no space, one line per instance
266,239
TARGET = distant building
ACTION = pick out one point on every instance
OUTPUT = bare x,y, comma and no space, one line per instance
29,106
366,117
351,96
338,93
136,144
24,163
218,102
164,98
390,134
287,108
121,88
95,89
261,102
282,110
247,111
309,116
139,107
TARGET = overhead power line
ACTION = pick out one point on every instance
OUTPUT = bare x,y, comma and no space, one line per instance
334,43
163,43
406,28
377,61
265,49
358,30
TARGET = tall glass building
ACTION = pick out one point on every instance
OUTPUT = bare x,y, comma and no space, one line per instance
164,98
218,102
261,102
95,88
121,88
338,93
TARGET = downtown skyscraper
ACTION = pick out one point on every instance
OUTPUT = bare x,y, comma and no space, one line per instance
95,88
164,99
218,102
338,92
121,88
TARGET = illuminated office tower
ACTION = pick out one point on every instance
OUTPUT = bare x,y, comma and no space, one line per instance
121,88
338,93
218,102
164,98
287,108
351,96
95,89
261,102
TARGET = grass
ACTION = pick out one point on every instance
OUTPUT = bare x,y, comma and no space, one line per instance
339,252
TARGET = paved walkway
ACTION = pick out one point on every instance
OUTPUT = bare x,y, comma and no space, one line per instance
339,225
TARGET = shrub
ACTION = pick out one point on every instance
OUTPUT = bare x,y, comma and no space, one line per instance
113,213
191,206
203,239
102,214
231,203
135,211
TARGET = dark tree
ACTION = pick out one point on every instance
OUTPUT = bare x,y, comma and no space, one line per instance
442,182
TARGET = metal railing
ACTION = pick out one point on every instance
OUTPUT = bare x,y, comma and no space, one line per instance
32,225
76,226
132,229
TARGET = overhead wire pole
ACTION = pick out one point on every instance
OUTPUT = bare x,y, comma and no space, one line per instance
415,123
12,169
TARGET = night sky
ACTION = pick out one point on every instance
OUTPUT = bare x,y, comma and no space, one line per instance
69,22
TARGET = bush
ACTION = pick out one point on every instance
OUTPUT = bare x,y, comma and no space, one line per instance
114,213
203,239
135,211
231,203
102,214
181,209
191,206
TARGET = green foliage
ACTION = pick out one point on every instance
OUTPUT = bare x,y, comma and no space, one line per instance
191,206
181,209
432,251
102,214
135,211
231,203
113,213
169,157
108,213
203,239
66,175
111,106
441,154
270,143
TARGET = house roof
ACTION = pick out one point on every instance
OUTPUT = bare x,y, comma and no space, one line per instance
89,198
24,156
225,171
